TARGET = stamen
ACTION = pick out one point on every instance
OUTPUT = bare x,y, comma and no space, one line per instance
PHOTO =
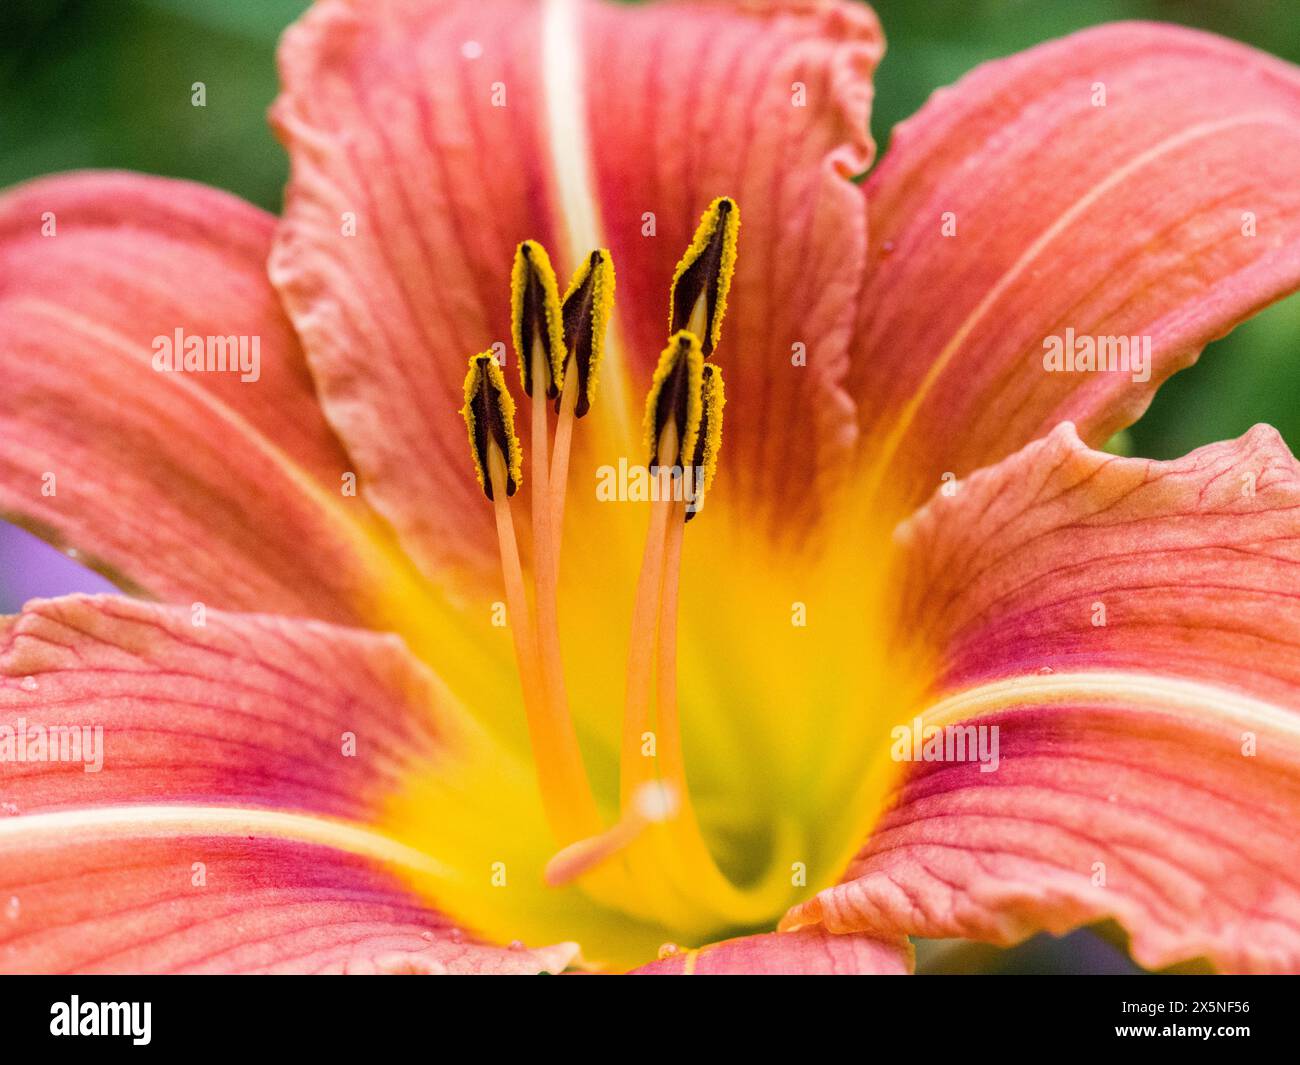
685,831
535,316
672,415
585,314
539,345
705,463
537,331
675,400
698,300
489,414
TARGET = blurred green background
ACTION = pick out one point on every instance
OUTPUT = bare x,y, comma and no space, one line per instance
106,83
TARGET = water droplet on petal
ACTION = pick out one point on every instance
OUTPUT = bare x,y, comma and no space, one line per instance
471,50
516,944
668,950
12,908
28,684
1045,670
456,935
427,936
9,809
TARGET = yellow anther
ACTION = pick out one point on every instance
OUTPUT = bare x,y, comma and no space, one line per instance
698,300
489,414
585,312
708,441
674,400
535,316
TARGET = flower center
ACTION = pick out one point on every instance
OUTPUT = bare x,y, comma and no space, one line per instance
778,684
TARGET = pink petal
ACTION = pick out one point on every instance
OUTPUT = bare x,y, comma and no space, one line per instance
609,112
1127,219
808,952
113,899
1131,627
688,102
261,747
189,486
245,710
1195,842
1066,558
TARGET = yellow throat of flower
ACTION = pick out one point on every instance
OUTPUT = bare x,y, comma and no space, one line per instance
627,867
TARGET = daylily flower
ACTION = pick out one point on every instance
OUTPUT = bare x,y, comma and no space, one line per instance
365,710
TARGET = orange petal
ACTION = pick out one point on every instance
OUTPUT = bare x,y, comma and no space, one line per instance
808,952
1066,558
769,104
1130,627
446,133
1104,805
1133,180
216,810
159,896
188,486
244,710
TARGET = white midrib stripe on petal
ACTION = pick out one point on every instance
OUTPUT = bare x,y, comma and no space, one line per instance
98,824
572,165
566,127
1139,692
